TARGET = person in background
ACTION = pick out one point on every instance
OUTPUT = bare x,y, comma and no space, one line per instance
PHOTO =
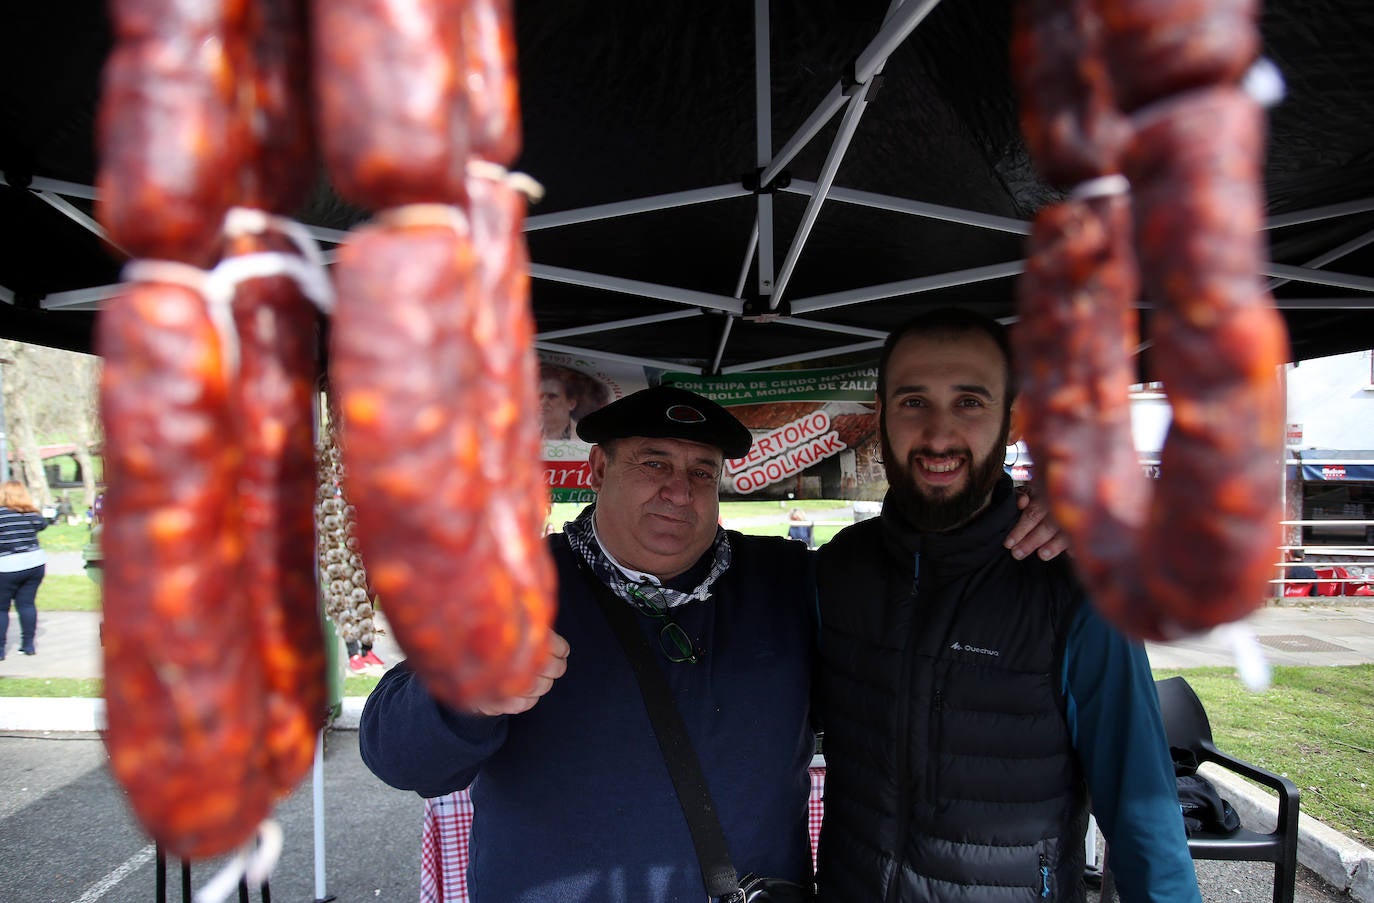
975,702
799,528
22,562
556,405
360,655
571,796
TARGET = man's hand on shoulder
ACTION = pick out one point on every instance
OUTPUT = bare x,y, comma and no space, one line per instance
1035,531
555,664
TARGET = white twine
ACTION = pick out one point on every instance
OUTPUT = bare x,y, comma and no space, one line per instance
516,181
1264,83
219,284
308,270
1100,187
411,215
253,863
216,290
1251,663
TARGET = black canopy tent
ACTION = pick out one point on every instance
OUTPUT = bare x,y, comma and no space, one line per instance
868,158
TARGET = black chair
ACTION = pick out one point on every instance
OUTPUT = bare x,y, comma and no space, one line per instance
1187,729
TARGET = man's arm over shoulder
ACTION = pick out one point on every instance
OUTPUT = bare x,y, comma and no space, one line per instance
1114,716
412,742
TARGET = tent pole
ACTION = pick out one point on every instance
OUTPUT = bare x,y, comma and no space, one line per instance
637,205
1320,277
848,125
916,208
762,238
720,348
1322,260
82,298
636,287
617,324
827,108
1312,214
748,260
612,356
909,286
1353,303
822,326
81,217
900,22
739,293
804,356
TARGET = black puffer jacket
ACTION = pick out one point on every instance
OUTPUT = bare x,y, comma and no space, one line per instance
950,772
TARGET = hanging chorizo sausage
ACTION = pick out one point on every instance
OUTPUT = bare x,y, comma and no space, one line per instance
1195,550
429,412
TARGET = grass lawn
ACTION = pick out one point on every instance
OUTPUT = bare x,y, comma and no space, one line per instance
60,537
52,687
68,592
1314,726
359,684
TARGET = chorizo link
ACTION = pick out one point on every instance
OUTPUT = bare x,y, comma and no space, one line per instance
1195,169
283,135
392,107
493,90
1194,551
1067,113
415,437
172,139
1157,48
456,567
503,336
273,396
183,680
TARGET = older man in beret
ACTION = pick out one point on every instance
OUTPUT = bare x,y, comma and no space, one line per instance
571,794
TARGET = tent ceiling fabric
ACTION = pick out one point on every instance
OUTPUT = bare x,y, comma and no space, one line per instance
653,108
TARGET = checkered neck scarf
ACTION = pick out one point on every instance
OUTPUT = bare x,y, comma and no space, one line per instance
582,538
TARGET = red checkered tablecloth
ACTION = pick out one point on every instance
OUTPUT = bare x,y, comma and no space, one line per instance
444,849
448,821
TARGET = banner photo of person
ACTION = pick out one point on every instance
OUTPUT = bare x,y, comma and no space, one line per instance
570,388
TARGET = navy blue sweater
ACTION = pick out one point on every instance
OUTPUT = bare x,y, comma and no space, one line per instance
19,530
572,799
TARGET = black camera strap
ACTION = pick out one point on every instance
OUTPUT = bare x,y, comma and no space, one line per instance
717,871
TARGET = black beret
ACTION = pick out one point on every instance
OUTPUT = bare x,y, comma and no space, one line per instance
667,412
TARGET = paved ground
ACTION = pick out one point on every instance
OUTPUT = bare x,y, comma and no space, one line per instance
69,836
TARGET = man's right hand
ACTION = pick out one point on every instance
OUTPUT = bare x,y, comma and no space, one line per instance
555,664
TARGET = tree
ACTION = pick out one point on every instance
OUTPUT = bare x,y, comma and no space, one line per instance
50,397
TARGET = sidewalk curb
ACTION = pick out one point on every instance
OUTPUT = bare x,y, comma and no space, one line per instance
1340,861
350,713
23,713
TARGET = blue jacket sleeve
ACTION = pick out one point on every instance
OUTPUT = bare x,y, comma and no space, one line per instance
413,742
1119,736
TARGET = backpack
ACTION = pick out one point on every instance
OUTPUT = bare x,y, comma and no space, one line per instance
1204,810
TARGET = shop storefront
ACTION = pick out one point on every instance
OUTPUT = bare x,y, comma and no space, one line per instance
1332,528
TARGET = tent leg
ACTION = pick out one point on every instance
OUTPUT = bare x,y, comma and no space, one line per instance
317,789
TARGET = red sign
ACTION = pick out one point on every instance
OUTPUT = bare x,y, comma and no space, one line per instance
569,481
1333,471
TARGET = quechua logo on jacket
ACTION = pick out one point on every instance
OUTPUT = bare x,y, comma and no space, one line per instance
960,647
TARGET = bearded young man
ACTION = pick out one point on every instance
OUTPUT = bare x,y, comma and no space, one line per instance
974,703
